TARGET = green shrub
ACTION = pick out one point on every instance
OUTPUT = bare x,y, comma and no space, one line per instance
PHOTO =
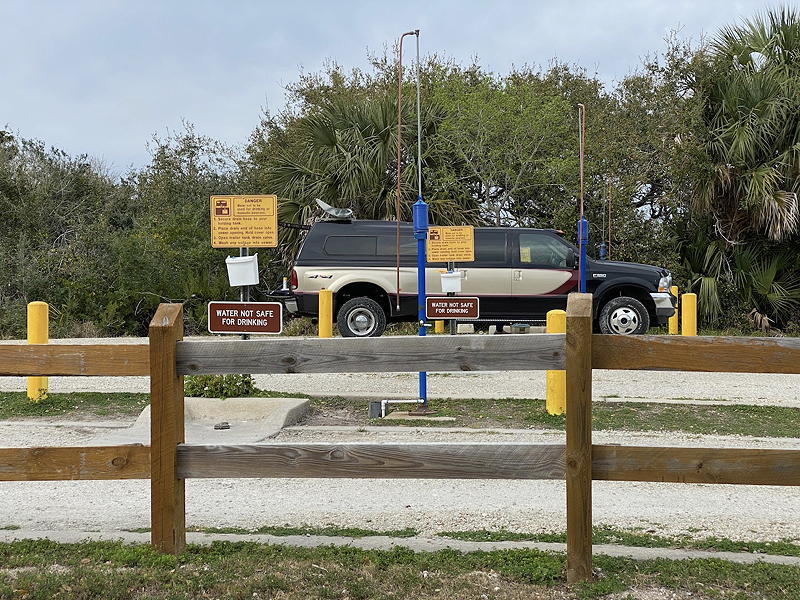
219,386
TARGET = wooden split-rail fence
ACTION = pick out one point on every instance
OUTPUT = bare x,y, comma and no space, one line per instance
168,461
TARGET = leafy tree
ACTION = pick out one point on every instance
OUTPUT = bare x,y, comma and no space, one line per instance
505,136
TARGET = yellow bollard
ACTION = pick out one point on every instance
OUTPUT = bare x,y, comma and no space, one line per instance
438,327
673,320
556,402
325,313
37,334
689,314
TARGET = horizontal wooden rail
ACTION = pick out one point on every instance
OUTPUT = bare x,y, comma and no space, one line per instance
63,359
686,353
82,462
371,461
409,461
489,461
696,465
374,355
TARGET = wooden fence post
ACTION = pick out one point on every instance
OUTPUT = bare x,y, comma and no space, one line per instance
167,504
579,437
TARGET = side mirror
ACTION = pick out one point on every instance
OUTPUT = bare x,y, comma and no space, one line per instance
572,259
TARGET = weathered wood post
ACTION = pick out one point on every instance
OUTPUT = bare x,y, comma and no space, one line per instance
167,500
579,437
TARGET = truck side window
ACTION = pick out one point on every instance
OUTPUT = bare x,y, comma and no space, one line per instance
540,250
387,245
490,248
351,245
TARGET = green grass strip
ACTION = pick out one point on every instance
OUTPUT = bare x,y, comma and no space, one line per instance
622,537
39,569
352,532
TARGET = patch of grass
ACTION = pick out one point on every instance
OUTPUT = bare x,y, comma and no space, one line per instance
273,394
278,530
110,570
624,537
16,404
9,527
734,419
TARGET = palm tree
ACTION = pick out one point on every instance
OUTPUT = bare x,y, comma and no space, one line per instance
752,114
346,156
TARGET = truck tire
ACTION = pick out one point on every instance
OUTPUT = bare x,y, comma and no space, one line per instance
624,316
361,317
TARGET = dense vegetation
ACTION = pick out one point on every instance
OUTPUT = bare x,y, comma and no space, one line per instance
695,157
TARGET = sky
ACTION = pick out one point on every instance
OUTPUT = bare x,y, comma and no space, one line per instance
102,77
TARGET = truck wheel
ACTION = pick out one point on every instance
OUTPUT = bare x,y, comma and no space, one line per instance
624,316
361,317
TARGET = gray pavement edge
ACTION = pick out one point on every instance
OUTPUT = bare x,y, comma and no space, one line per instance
417,544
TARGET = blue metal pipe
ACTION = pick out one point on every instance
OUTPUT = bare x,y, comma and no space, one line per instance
420,214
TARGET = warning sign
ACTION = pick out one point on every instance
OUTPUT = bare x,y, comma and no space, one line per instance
244,221
451,307
451,244
245,317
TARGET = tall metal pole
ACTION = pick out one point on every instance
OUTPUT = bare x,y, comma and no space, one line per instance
419,129
421,233
583,224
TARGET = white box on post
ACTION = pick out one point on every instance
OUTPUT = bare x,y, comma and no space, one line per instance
242,270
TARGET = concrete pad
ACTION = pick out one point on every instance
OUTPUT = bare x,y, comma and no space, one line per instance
251,420
402,415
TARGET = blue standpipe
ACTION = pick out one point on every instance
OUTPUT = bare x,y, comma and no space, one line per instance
583,239
420,214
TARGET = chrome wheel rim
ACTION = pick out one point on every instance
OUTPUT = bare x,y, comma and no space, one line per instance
623,321
361,322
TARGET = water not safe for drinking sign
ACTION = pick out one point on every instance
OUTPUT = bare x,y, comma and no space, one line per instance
452,307
245,317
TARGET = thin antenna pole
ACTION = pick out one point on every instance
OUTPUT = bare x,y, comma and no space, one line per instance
581,141
609,219
419,127
583,226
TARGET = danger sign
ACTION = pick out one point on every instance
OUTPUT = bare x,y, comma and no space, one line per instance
451,307
451,244
244,221
245,317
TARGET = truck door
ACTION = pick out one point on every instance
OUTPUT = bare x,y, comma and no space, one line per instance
541,277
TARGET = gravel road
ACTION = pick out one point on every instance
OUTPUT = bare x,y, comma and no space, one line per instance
740,512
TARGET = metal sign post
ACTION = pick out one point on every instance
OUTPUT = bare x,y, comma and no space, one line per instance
453,326
244,290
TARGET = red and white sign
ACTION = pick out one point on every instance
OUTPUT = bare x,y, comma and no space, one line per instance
451,307
245,317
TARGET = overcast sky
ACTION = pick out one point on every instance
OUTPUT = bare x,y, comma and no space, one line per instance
101,76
